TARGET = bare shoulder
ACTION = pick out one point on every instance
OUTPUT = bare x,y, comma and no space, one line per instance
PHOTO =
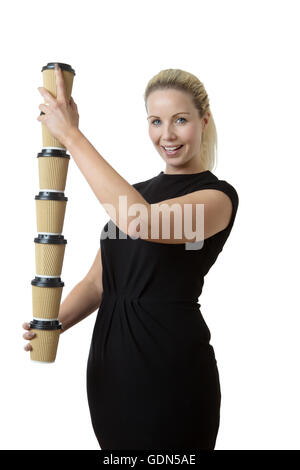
217,208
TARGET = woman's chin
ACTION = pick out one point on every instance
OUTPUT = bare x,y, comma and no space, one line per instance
173,159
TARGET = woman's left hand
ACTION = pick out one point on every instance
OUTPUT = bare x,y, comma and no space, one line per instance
61,115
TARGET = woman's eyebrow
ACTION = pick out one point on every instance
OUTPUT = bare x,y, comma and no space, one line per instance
183,112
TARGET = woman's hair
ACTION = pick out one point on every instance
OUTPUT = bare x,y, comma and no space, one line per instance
185,81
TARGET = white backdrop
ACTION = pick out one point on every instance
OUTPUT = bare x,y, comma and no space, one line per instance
246,54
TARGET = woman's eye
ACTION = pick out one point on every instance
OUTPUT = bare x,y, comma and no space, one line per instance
155,120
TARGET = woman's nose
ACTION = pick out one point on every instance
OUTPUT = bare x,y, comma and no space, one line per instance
168,133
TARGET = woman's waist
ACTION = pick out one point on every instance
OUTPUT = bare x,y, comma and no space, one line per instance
152,297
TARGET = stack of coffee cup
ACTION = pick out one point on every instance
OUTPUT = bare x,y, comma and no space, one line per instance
53,162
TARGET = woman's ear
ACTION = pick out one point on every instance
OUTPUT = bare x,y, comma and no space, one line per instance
206,119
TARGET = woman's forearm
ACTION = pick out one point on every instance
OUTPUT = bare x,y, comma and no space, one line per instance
105,182
83,300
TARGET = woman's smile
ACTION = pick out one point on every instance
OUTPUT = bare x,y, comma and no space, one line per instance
172,152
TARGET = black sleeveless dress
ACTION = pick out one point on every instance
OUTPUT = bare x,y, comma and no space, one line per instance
152,376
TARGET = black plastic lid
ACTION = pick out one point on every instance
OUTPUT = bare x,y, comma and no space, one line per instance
50,239
51,65
47,282
51,195
53,153
45,324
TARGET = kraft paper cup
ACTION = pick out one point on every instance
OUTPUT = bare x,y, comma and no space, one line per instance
49,82
50,211
45,342
46,297
49,254
53,168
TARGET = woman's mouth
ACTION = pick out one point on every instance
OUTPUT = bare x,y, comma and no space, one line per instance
174,151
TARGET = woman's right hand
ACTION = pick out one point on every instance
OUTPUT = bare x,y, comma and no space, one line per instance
28,335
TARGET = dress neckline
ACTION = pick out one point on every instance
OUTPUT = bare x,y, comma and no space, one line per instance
171,175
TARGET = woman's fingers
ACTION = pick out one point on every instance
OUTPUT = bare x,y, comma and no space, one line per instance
28,335
44,108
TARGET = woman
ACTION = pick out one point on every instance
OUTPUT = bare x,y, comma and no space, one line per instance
152,377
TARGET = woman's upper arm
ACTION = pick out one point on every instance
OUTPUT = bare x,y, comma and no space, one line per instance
186,219
95,273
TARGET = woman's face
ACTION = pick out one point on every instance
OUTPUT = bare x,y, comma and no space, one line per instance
173,121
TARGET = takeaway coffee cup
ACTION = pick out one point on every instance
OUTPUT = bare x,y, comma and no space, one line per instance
49,82
46,297
53,168
49,254
50,211
45,342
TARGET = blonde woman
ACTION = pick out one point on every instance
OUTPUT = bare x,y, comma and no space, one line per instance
152,376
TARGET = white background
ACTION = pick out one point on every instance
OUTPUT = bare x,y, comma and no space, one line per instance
246,54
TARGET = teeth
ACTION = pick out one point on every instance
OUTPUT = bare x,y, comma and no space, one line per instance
172,148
